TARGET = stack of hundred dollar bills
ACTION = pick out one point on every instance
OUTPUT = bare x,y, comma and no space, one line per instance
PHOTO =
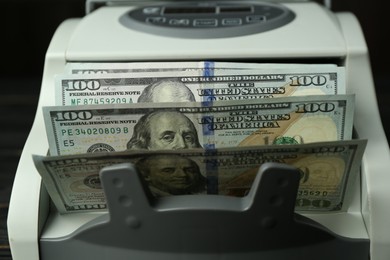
200,128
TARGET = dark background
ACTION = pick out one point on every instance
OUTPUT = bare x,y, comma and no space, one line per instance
26,30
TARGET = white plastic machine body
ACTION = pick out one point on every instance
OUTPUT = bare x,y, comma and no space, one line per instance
314,34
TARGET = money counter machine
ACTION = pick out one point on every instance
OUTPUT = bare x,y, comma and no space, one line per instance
250,31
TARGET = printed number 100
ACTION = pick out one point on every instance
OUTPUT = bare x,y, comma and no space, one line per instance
315,107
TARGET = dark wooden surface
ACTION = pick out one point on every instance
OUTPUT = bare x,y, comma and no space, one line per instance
27,29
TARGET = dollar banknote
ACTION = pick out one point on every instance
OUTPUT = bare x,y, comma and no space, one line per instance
130,67
328,171
288,120
197,85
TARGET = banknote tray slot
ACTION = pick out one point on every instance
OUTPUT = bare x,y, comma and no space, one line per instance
187,225
326,60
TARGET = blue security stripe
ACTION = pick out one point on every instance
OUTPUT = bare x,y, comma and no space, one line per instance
208,71
212,184
208,68
212,171
212,176
208,133
208,128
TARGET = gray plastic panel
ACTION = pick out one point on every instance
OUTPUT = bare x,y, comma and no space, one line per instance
261,225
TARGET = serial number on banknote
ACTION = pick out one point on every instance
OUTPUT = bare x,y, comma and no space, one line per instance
318,193
100,101
94,131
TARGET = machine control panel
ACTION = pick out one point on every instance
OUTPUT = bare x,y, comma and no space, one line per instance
207,20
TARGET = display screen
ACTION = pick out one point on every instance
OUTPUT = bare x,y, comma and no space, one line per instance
207,10
189,10
235,9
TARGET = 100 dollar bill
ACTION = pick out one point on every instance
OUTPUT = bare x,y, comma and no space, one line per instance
198,85
289,120
328,171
